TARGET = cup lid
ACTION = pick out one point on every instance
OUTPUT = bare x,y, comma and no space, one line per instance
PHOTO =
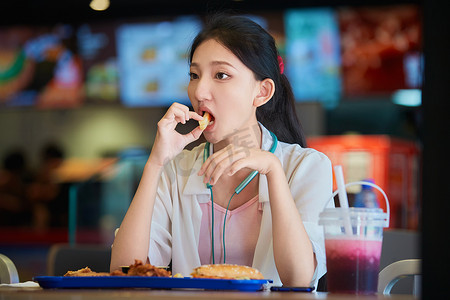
357,216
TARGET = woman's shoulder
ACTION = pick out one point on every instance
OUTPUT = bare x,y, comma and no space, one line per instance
307,162
297,152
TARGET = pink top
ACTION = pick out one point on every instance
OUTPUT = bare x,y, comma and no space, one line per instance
241,233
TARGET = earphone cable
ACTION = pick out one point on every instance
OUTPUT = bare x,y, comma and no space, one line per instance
224,223
239,188
223,231
212,221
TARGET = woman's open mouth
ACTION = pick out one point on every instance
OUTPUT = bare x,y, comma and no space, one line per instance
208,120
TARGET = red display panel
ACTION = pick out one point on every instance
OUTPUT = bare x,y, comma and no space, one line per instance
381,49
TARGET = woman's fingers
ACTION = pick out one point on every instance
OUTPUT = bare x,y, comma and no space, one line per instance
246,163
220,162
178,113
195,116
168,142
193,135
232,159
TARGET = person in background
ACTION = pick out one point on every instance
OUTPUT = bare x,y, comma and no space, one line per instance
44,192
14,177
237,76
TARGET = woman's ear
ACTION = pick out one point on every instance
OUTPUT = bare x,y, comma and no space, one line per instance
266,91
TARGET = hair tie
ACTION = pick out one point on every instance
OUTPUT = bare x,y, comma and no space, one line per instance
281,64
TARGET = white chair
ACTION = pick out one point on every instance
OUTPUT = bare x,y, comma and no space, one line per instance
8,271
392,273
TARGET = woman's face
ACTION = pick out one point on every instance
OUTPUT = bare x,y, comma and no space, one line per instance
223,86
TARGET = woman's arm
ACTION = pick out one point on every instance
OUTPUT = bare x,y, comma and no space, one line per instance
132,239
292,248
308,177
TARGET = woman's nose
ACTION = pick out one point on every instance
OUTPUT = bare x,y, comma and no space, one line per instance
202,89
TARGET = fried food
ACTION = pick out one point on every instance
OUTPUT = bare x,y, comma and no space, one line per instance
226,271
136,269
117,273
205,122
85,272
139,269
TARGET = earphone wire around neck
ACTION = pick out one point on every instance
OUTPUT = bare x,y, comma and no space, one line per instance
237,190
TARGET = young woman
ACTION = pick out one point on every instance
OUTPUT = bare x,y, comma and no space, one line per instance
188,210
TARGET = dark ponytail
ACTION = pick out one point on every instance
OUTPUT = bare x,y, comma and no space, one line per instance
256,48
279,115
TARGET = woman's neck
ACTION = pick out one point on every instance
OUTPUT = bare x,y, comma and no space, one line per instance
249,136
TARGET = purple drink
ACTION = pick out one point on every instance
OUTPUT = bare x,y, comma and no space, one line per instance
353,265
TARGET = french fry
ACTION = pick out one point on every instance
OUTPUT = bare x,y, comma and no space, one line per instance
205,122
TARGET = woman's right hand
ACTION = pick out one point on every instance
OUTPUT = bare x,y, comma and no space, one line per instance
168,142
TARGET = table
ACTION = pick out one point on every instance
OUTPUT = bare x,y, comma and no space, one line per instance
148,294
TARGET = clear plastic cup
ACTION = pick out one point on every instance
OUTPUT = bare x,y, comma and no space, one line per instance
353,258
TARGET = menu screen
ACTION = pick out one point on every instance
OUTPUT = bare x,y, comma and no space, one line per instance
330,54
39,66
152,60
97,47
313,55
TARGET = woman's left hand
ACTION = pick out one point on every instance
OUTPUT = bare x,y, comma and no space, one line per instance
233,158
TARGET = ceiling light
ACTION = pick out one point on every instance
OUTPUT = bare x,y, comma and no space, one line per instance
99,5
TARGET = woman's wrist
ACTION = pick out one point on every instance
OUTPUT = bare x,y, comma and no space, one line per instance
155,164
275,169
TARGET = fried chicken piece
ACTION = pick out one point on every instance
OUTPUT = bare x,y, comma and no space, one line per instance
139,269
117,273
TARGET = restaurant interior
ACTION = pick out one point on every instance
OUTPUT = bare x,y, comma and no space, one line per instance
81,94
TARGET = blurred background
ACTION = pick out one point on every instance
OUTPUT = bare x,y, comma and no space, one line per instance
83,84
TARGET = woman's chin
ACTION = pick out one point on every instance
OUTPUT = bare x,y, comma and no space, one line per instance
211,138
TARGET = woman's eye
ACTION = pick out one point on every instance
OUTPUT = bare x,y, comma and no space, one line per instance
193,76
222,75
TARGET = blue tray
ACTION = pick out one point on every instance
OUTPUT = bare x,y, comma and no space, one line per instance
50,282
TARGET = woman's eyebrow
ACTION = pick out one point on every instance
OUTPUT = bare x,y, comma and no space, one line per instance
215,63
221,62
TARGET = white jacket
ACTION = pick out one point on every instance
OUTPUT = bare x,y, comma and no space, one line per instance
177,215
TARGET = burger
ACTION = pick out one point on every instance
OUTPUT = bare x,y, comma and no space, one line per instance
226,271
